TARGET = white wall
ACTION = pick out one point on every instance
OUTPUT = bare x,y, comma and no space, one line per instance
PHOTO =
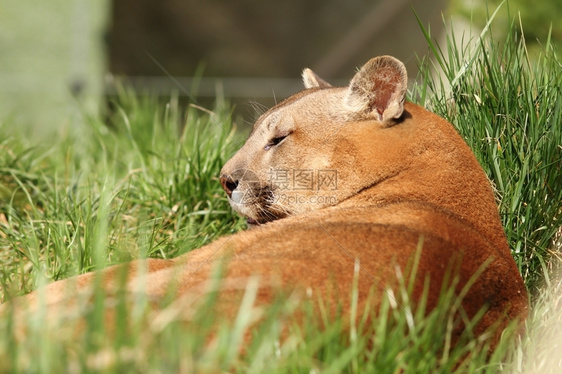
46,47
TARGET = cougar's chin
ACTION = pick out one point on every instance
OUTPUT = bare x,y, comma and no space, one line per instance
256,215
258,206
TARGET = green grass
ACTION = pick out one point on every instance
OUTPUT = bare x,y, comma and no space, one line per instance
509,110
143,182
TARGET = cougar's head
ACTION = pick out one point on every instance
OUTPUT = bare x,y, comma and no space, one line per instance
307,152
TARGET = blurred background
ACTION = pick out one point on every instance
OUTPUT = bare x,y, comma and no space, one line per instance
59,58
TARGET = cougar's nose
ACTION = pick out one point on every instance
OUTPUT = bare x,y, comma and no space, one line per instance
228,184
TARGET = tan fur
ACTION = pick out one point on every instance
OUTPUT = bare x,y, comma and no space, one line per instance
403,173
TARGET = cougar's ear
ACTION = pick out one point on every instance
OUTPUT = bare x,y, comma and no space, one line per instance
378,90
311,80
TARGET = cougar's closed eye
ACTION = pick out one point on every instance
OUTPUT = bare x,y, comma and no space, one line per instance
276,140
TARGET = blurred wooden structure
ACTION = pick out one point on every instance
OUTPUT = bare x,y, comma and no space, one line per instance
242,41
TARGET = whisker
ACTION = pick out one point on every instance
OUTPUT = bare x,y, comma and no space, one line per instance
258,108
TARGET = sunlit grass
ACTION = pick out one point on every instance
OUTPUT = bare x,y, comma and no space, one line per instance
509,110
144,183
